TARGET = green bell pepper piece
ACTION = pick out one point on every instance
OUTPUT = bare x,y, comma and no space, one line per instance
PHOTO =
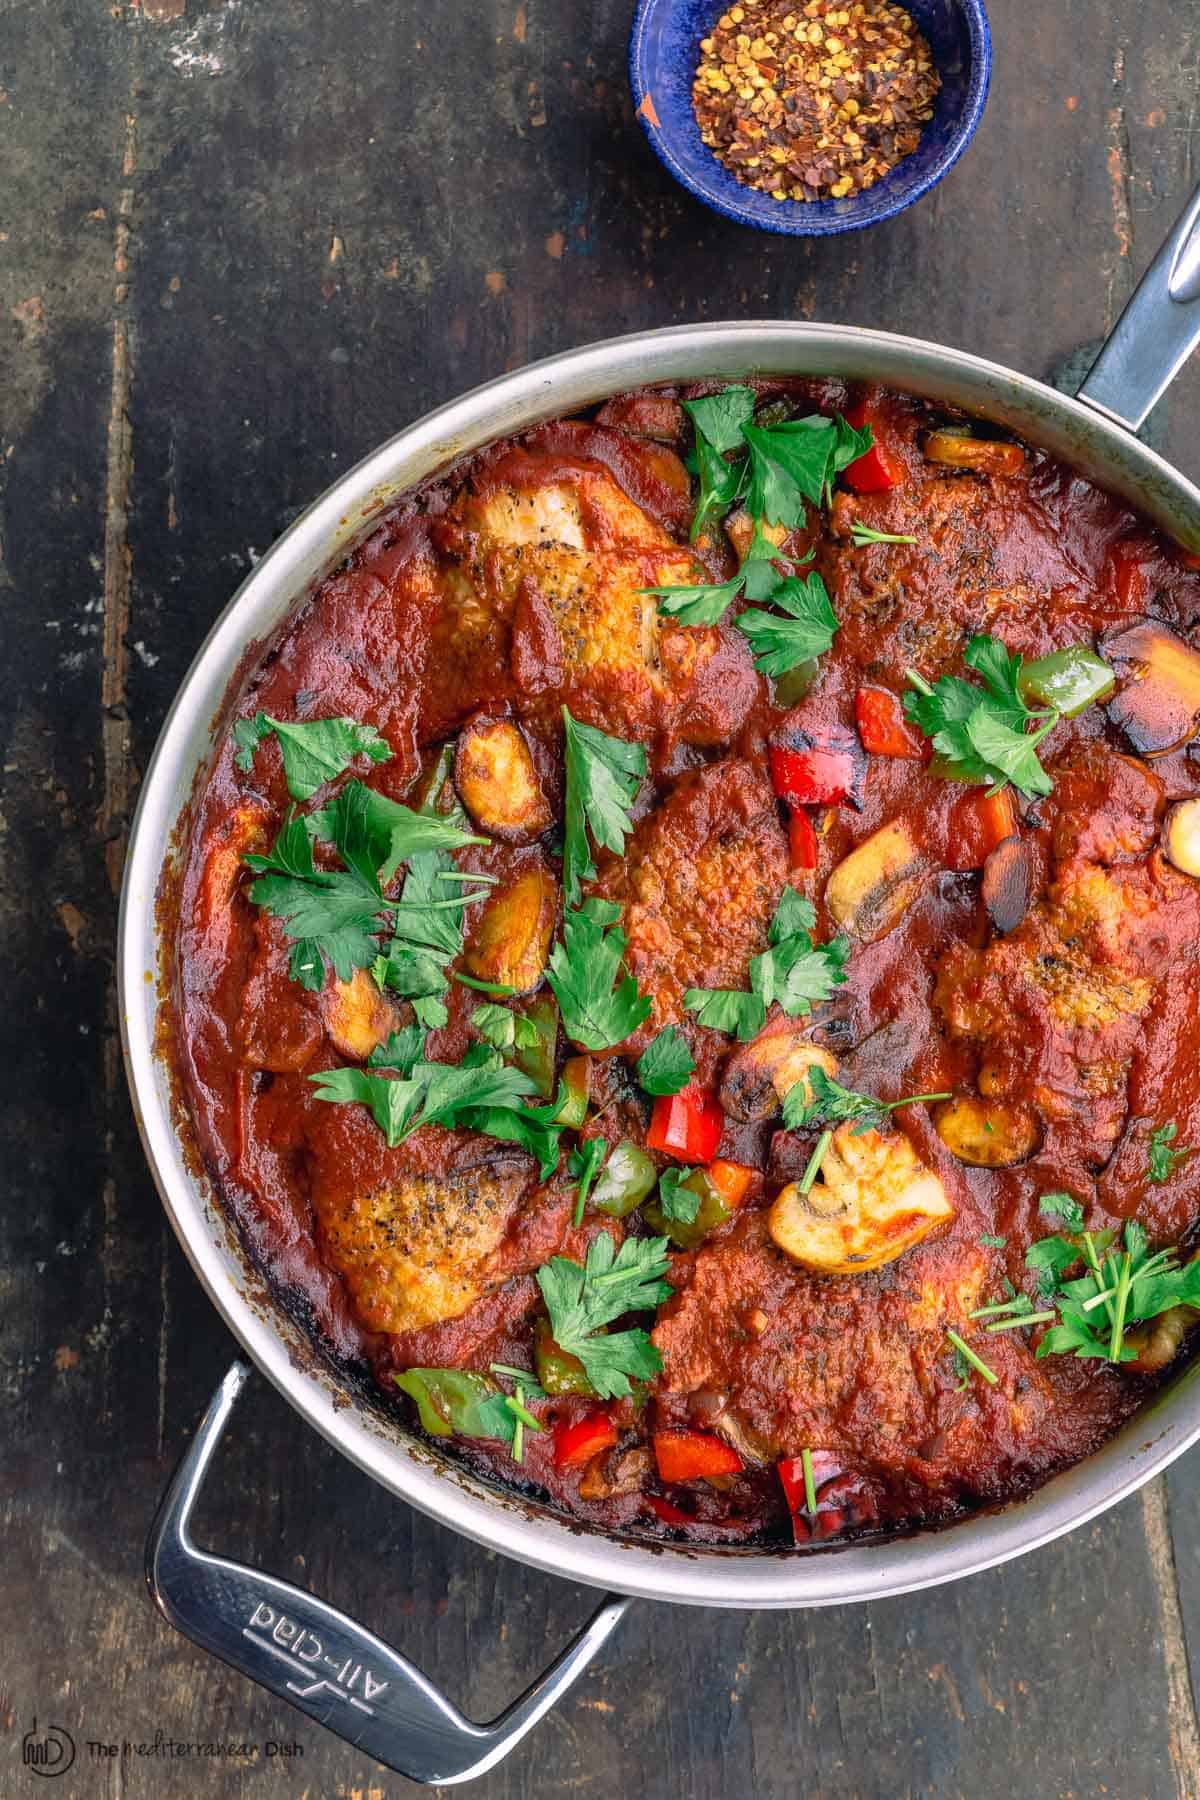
455,1400
537,1060
711,1212
577,1080
557,1371
624,1181
796,684
1068,680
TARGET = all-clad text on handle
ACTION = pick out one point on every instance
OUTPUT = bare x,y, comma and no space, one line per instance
321,1661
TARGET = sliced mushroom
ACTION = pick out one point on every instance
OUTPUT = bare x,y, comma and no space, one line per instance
761,1073
984,456
512,940
1181,836
357,1015
871,889
497,781
988,1134
1157,704
872,1201
750,1444
1008,883
614,1473
1158,1341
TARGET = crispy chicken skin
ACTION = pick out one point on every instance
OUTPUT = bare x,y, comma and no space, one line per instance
698,886
422,1232
543,572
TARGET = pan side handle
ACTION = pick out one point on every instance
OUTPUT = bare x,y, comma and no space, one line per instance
1156,333
321,1661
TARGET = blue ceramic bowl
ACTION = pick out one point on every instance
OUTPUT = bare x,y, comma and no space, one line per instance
664,50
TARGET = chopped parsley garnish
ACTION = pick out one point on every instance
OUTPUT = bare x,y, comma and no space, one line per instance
603,776
327,915
676,1200
427,935
702,604
429,1093
1013,1314
1123,1283
793,971
778,470
313,752
584,1164
505,1029
582,972
797,461
810,1486
863,534
965,1354
337,915
666,1064
500,988
1162,1160
833,1104
403,1050
979,733
1062,1206
742,1015
582,1299
719,421
808,631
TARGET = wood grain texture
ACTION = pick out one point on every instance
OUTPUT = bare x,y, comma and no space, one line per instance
241,244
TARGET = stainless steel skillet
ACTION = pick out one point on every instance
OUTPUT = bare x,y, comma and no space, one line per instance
310,1655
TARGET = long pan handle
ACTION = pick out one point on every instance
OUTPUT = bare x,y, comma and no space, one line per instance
321,1661
1156,333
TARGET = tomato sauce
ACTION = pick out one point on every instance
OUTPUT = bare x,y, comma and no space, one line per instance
514,585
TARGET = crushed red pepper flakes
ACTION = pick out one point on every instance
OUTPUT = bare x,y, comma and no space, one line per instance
813,100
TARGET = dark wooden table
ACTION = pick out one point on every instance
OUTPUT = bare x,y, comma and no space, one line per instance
239,245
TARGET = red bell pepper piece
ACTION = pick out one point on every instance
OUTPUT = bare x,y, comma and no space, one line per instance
687,1125
884,730
577,1443
670,1515
802,840
790,1470
875,470
731,1181
691,1455
978,823
812,777
842,1500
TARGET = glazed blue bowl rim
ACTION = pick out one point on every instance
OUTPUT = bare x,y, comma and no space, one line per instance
810,218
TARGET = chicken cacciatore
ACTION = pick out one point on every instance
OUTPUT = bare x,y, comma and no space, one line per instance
687,960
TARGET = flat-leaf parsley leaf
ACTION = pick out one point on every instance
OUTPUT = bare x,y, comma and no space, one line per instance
808,631
600,1005
581,1300
666,1064
603,776
314,751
